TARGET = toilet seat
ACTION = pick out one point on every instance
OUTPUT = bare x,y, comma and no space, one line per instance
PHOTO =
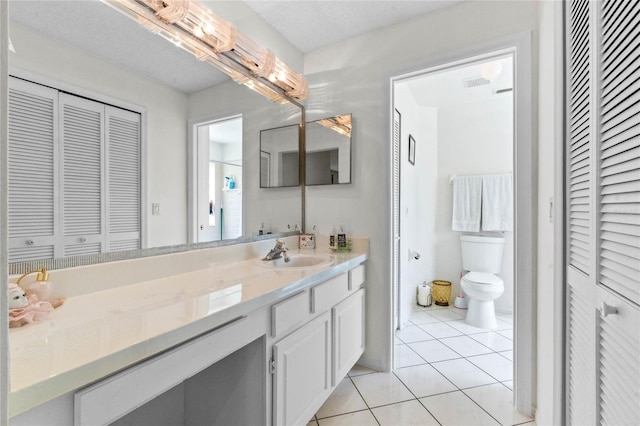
483,278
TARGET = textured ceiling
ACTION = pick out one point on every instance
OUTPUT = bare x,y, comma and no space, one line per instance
311,24
308,25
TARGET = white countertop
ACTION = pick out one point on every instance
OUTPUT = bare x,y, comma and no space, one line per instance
97,334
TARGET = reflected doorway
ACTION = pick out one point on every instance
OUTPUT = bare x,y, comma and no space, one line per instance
218,201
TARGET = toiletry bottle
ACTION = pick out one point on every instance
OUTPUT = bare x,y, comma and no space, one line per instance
341,239
226,182
332,239
41,287
232,182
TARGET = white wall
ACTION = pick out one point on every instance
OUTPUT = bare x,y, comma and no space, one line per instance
354,76
418,192
473,139
166,125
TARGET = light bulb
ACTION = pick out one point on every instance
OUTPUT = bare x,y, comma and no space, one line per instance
491,70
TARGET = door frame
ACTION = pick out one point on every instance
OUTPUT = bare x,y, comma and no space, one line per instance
525,201
192,170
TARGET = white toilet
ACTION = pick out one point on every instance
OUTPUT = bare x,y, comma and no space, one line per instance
482,257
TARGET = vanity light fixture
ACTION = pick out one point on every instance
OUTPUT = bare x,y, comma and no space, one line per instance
193,27
341,124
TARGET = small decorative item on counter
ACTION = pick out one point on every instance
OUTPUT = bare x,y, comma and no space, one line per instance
332,240
307,241
25,309
41,287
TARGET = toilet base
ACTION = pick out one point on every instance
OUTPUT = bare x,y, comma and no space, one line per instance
482,314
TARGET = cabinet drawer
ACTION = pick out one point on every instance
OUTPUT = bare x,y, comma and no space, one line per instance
328,293
356,277
287,314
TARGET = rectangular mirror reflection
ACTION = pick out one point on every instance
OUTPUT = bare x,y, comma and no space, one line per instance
280,157
328,151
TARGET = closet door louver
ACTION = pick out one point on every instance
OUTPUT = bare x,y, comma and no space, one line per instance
620,148
82,131
579,138
33,130
123,184
580,312
396,215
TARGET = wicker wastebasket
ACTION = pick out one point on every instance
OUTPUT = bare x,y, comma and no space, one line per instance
441,292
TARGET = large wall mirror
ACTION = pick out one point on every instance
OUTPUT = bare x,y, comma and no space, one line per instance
328,151
198,129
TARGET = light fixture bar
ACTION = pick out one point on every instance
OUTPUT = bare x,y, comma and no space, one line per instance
193,27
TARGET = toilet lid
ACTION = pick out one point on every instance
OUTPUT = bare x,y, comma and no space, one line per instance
483,278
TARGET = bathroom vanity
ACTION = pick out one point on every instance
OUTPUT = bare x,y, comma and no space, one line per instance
203,337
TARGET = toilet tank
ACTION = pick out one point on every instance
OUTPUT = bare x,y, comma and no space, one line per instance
482,254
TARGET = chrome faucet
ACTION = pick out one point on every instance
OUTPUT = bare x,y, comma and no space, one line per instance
277,252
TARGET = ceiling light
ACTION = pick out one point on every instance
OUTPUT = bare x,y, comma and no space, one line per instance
491,70
193,27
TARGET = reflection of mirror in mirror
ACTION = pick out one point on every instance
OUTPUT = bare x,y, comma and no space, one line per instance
87,48
279,157
328,151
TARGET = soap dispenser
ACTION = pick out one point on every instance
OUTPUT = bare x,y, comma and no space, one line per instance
41,287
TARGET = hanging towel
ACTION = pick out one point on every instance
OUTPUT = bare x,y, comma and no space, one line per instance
497,203
467,193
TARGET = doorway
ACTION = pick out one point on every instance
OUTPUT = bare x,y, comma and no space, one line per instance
217,202
422,203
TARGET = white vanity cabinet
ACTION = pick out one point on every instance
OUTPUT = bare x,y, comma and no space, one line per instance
274,364
309,363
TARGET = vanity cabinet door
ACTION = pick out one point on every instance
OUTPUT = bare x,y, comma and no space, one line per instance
348,334
302,377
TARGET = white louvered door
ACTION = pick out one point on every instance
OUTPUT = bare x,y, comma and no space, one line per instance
124,179
603,223
75,175
33,181
83,183
397,318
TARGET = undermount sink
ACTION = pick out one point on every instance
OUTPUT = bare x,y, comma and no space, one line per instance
299,261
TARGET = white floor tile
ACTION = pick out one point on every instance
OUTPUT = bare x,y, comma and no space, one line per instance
361,418
509,384
413,333
447,315
404,356
497,400
494,341
508,333
465,346
381,389
397,341
456,408
507,354
497,366
466,328
503,325
424,380
439,330
433,351
421,317
408,413
359,370
344,399
463,374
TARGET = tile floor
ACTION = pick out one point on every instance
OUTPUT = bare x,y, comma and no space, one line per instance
447,372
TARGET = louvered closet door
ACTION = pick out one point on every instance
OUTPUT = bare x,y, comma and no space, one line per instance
83,183
123,181
618,333
33,130
603,312
580,312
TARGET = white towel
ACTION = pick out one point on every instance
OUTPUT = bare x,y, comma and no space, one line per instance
467,193
497,203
